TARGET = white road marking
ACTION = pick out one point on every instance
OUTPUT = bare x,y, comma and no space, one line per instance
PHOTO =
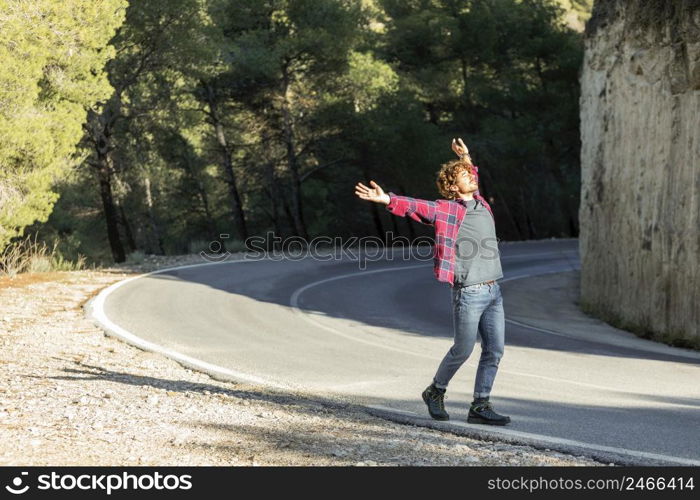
294,303
549,439
96,310
617,342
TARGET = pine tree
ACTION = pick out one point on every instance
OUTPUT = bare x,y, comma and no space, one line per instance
53,56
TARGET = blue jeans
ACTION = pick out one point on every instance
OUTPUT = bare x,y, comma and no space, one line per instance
476,308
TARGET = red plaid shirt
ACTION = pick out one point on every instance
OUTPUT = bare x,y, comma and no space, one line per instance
446,216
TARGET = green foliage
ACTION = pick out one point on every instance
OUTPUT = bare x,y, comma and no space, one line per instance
323,92
367,80
136,257
53,55
76,223
503,74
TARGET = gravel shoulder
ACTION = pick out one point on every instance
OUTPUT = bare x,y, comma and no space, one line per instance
70,395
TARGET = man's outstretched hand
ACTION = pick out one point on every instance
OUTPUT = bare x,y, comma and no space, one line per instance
460,148
374,193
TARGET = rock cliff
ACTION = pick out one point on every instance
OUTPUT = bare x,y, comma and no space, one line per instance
640,161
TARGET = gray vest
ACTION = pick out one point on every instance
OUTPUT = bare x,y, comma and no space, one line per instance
477,257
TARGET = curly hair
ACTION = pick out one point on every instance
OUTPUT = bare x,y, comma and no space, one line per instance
447,175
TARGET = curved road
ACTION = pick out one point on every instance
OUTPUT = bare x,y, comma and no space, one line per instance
376,335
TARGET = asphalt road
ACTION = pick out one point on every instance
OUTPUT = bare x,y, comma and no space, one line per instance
376,335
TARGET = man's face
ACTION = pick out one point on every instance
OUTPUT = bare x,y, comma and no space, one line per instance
465,182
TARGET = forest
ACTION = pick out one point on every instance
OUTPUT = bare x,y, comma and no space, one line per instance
158,127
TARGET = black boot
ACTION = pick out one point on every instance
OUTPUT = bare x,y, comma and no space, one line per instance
435,399
481,412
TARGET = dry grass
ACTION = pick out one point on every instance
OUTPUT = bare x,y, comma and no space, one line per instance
32,256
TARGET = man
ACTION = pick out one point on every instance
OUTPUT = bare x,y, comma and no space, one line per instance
466,256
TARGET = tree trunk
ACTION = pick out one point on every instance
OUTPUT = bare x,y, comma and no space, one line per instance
274,197
111,217
130,242
292,161
209,219
98,128
227,166
272,183
151,216
288,213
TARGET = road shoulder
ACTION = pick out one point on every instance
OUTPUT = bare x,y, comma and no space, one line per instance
550,302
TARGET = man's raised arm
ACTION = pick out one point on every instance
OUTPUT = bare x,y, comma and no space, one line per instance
462,151
422,211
